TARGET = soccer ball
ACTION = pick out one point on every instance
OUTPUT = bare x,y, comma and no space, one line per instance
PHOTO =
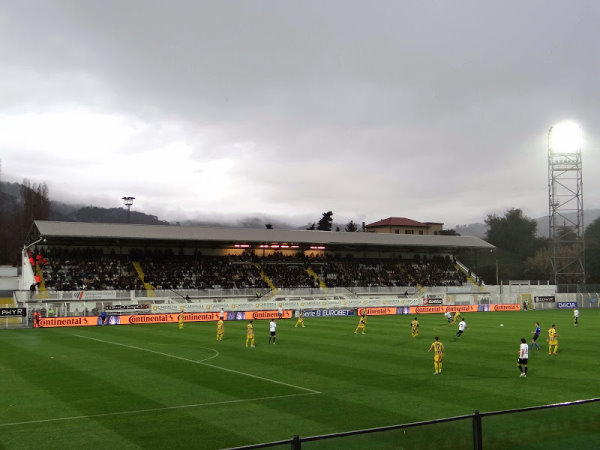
501,324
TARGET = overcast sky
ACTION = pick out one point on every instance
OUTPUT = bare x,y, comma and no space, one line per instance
432,110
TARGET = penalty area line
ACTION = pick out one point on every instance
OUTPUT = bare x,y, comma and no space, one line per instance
168,355
148,410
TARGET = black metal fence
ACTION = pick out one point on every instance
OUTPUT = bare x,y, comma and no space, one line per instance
586,421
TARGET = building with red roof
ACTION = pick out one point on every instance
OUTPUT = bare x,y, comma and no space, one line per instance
402,225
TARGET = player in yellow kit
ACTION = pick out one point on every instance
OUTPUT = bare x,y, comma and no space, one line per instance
456,317
361,323
438,354
300,319
250,334
552,340
414,328
220,329
181,319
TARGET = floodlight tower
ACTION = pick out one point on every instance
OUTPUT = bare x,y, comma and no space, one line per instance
128,202
565,192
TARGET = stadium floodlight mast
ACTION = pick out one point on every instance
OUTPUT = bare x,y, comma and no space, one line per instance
128,202
565,203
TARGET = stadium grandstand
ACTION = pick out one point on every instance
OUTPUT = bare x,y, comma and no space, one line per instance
80,269
86,256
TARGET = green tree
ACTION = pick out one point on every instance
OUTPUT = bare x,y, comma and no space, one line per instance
326,222
35,204
513,233
351,227
592,252
538,266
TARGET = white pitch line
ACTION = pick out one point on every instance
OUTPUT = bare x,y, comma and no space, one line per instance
141,411
168,355
312,391
154,351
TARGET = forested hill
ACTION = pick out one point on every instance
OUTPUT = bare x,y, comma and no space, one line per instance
10,197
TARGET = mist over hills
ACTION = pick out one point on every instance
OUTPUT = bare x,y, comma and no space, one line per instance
60,211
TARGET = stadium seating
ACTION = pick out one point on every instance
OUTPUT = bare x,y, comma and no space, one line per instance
68,269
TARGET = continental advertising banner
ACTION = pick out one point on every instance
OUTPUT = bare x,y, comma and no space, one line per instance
54,322
442,309
168,318
259,315
377,311
506,307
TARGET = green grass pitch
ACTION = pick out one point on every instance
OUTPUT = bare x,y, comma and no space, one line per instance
156,386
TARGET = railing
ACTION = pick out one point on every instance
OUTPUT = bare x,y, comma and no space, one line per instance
474,432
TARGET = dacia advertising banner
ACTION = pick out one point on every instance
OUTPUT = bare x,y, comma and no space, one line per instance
328,312
566,305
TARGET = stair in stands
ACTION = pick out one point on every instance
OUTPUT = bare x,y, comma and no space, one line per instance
42,291
266,279
313,274
149,288
461,268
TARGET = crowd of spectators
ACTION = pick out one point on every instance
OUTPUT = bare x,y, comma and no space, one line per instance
80,269
205,272
87,269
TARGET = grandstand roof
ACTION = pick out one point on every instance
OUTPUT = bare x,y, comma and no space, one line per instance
129,234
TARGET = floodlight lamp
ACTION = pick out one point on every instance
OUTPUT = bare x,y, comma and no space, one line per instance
564,138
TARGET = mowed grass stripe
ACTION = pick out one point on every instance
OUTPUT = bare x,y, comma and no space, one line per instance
231,373
381,378
66,391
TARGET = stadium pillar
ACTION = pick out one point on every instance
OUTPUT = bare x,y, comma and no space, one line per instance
477,441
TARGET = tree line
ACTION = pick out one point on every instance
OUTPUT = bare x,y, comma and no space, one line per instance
522,255
15,223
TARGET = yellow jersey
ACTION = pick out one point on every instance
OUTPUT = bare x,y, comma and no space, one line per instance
414,324
249,330
552,334
438,348
220,324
